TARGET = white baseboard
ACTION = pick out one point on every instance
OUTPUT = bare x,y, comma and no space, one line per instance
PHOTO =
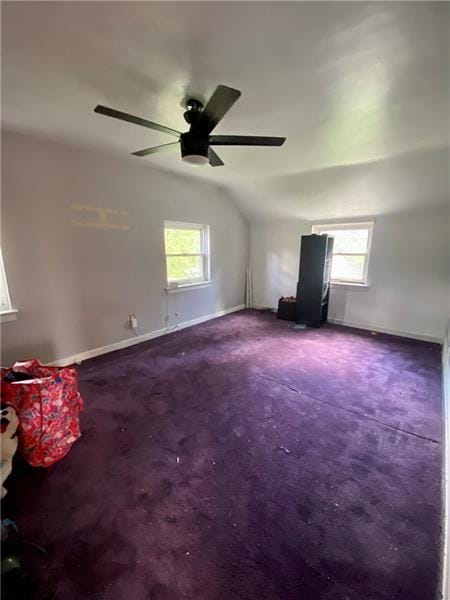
446,470
261,307
145,337
408,334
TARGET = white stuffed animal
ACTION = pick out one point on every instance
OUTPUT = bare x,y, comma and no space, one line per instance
8,427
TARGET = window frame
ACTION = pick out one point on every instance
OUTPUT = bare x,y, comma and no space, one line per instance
204,254
5,299
320,228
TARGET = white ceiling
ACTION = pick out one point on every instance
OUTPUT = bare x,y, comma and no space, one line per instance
360,90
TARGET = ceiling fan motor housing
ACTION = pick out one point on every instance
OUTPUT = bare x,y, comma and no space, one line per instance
194,108
194,145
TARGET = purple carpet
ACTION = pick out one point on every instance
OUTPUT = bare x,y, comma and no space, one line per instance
243,460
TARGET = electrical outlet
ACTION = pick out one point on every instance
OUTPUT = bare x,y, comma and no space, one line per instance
133,321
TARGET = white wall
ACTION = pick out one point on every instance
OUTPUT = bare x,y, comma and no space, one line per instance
408,285
274,259
75,286
446,482
408,273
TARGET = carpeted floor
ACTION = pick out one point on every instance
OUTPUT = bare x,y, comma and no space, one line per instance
241,459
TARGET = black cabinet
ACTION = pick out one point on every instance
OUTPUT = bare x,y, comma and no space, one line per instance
313,288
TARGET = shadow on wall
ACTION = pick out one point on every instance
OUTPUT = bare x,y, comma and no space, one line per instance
382,186
338,303
281,272
275,252
45,352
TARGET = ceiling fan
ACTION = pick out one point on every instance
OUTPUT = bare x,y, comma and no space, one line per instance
196,143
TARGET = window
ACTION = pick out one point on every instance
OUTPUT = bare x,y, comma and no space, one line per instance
187,253
5,302
351,250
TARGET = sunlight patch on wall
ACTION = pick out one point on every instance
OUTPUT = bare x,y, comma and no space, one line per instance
359,125
100,217
362,103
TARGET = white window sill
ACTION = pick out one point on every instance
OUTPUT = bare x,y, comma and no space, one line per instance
348,284
8,315
186,287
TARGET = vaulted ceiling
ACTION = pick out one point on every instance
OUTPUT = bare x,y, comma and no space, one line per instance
360,90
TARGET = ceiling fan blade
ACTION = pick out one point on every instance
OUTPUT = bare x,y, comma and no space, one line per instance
218,105
117,114
154,150
214,159
245,140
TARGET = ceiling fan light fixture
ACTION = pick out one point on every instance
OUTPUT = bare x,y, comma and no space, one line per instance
194,149
196,160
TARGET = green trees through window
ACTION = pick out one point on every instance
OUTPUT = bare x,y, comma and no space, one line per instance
187,252
350,250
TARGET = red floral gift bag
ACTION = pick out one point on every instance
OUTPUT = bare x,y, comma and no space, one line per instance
48,404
